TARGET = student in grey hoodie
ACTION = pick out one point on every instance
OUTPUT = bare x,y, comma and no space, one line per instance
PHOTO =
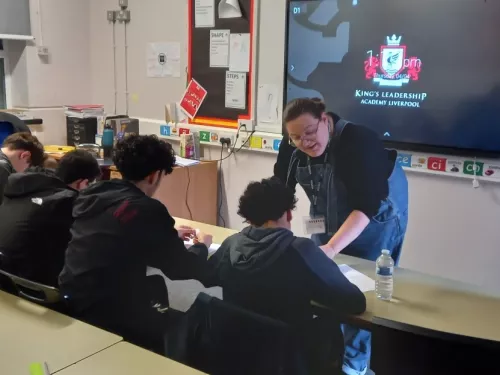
266,269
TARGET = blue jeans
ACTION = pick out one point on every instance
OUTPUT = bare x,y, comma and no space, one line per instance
386,230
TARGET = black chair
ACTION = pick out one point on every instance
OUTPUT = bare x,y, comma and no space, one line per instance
221,339
32,291
399,348
10,124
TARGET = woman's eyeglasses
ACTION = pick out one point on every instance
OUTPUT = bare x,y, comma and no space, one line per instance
310,135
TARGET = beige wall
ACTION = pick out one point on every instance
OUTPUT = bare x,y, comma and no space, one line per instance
43,85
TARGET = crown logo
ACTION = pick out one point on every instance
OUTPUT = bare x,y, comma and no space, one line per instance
393,40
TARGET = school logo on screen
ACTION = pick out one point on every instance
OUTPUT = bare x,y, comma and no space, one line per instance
391,67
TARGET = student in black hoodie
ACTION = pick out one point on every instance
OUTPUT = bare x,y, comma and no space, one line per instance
118,231
35,217
265,268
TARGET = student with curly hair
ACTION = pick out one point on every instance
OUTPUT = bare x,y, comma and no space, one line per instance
119,230
265,268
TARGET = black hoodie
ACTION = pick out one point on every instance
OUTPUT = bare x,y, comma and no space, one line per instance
274,273
35,219
118,231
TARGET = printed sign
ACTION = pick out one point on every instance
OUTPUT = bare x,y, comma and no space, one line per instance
491,170
165,130
267,144
184,131
473,167
214,137
418,161
256,142
193,98
404,160
454,166
436,164
204,136
276,144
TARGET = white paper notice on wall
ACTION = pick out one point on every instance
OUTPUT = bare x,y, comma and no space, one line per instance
239,52
229,9
204,13
236,89
267,104
219,48
164,59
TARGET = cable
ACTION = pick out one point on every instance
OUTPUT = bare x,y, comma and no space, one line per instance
40,27
187,194
475,181
126,71
114,65
221,196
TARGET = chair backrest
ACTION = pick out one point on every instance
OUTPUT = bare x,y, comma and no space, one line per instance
30,290
231,340
399,348
10,124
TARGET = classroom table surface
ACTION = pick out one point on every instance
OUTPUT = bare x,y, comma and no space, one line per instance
127,359
419,299
31,333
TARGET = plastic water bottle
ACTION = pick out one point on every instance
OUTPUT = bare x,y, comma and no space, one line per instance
384,283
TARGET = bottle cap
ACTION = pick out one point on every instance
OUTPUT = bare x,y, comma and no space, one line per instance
386,252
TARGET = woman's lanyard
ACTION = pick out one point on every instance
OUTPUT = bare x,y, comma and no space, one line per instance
315,192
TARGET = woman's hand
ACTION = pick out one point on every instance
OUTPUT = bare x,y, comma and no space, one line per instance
328,250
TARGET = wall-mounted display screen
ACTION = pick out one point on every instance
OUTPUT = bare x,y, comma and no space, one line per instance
420,73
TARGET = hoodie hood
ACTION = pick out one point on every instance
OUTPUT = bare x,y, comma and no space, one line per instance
32,181
254,249
99,197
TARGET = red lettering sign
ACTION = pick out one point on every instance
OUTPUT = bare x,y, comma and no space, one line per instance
436,164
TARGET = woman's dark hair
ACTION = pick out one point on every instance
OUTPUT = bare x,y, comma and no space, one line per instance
265,201
137,156
297,107
78,165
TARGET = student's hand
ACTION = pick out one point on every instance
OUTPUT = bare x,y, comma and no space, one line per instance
186,232
204,238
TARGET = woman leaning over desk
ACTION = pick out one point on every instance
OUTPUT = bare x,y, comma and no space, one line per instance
358,193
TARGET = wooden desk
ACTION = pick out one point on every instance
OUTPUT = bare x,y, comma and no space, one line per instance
419,300
31,333
127,359
191,192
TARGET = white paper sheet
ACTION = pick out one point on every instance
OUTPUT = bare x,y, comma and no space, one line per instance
164,59
364,283
239,52
183,293
229,9
219,48
236,90
183,162
267,104
204,13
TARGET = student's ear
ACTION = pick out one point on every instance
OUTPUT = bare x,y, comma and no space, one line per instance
154,178
289,216
25,156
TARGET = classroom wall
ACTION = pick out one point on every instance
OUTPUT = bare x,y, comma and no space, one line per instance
453,227
42,85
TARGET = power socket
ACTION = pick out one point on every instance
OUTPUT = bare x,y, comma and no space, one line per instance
243,140
111,15
43,51
123,16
